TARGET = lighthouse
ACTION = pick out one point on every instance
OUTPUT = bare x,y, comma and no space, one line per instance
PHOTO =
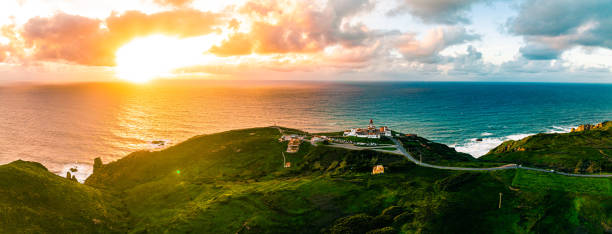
371,126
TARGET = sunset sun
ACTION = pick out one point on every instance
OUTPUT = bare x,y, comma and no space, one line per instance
147,58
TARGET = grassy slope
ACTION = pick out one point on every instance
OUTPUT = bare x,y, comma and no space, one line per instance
234,182
248,191
435,153
34,200
577,152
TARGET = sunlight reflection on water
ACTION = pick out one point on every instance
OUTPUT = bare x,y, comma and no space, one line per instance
73,124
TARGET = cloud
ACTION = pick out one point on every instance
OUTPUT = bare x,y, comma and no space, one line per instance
68,37
551,27
237,44
175,3
436,11
437,39
471,62
87,41
182,23
297,27
8,50
4,50
538,51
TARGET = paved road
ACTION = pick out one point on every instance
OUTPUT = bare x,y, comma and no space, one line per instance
375,148
504,167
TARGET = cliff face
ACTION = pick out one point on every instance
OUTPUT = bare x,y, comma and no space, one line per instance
584,150
586,127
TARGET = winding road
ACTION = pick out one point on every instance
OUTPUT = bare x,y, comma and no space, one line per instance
403,151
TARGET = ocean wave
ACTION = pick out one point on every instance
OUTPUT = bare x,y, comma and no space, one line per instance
560,129
486,134
479,147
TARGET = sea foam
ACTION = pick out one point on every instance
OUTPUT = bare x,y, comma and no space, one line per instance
477,148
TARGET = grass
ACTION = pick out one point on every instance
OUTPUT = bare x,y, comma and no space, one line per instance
234,182
576,152
34,200
549,181
433,153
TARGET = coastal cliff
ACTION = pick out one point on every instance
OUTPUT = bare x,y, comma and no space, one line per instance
586,127
586,149
235,182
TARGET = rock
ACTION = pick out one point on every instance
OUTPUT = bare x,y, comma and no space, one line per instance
479,139
584,127
97,164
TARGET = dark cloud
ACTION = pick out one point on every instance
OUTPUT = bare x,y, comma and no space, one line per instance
427,49
536,51
300,29
553,26
436,11
85,41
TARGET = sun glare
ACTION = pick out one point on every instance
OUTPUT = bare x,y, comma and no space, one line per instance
144,59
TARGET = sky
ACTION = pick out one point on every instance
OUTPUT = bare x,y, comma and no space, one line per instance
51,41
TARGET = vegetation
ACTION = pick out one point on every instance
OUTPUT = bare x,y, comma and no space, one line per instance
576,152
235,182
34,200
431,152
549,181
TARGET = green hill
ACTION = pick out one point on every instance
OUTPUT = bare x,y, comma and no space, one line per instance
235,182
434,153
586,151
34,200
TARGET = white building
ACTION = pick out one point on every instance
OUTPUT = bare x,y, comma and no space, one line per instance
370,132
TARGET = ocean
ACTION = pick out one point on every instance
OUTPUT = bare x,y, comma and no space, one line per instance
65,126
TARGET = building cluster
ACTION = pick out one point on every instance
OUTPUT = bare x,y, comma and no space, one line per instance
318,139
370,132
294,145
294,142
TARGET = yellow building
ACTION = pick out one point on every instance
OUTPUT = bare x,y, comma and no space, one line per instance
293,146
378,169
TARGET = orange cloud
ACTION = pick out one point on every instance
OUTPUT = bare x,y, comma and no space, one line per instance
68,37
182,23
9,32
86,41
176,3
297,27
237,44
